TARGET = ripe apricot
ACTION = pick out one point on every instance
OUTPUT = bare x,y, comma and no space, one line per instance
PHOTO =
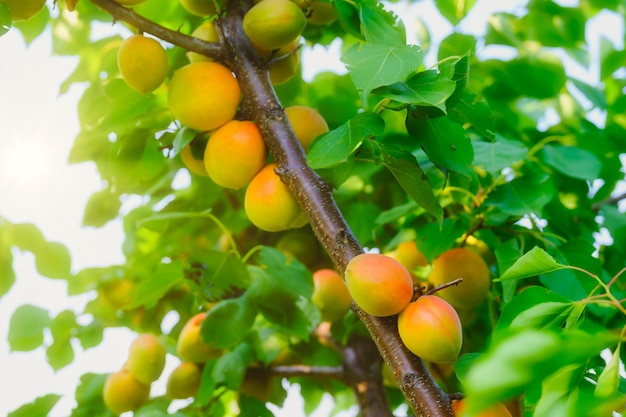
430,328
269,204
379,284
142,61
461,263
330,294
204,95
190,346
146,358
24,9
184,381
199,7
235,153
408,255
193,155
123,392
498,410
207,32
307,124
272,24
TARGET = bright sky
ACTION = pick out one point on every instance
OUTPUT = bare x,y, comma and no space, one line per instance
37,186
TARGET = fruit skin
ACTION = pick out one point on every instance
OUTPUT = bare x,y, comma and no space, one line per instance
123,392
192,163
269,204
498,410
235,153
322,13
142,61
379,284
307,124
199,7
190,346
24,9
431,329
184,381
207,32
272,24
408,255
330,294
461,263
146,358
203,95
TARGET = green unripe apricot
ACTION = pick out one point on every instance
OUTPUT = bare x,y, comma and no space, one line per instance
146,358
272,24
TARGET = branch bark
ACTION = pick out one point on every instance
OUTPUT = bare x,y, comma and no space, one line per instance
313,194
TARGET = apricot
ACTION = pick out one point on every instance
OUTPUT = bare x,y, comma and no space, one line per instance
207,32
307,124
408,255
321,13
118,294
192,155
284,69
272,24
24,9
431,329
204,95
235,153
330,294
123,392
461,263
190,346
199,7
498,410
142,61
184,381
379,284
269,204
146,358
257,385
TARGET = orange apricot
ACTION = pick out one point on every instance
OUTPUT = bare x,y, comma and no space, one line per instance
431,329
498,410
330,294
123,392
269,204
461,263
307,124
203,95
235,153
379,284
190,346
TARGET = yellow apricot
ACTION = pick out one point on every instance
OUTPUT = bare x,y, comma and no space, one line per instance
184,381
461,263
123,392
330,294
408,255
272,24
431,329
307,124
379,284
146,358
269,204
207,32
235,153
193,155
142,61
204,95
498,410
199,7
190,346
24,9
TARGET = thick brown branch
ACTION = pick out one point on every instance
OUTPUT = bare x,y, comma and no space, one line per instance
190,43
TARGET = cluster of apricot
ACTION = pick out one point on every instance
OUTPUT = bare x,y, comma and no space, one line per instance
205,96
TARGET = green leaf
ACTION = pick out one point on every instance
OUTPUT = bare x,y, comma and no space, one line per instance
7,275
183,137
474,112
457,44
154,287
361,216
5,19
39,408
102,207
498,155
223,273
90,335
572,161
425,88
454,10
335,147
26,327
434,239
410,176
53,260
228,322
608,380
373,66
89,396
534,262
541,76
348,16
381,27
444,141
524,195
231,367
60,353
